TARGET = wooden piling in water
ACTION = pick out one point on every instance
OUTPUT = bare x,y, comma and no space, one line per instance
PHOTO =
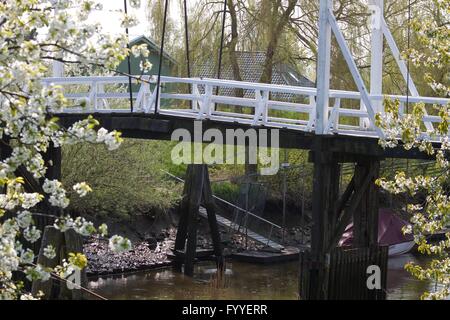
197,191
328,272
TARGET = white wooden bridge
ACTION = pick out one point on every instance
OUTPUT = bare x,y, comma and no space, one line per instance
319,110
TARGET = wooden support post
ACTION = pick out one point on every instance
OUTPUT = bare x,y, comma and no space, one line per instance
180,241
53,159
53,237
197,191
193,207
332,214
64,243
354,199
73,243
212,220
325,196
365,217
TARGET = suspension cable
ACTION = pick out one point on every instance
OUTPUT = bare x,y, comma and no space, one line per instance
130,88
408,79
408,67
161,56
186,36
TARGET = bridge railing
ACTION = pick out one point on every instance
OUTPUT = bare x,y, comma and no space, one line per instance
260,105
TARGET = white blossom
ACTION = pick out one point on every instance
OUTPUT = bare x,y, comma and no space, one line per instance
32,234
83,227
50,252
24,219
37,273
119,244
82,189
103,230
27,257
64,223
32,35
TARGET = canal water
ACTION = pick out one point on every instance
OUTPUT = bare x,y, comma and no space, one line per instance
242,281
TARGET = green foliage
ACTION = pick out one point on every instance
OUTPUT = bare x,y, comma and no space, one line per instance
226,190
124,182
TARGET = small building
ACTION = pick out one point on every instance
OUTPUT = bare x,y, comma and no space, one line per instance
168,65
251,66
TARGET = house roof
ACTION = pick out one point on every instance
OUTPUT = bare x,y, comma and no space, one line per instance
153,46
251,67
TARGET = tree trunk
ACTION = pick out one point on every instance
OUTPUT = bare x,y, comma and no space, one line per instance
278,25
232,51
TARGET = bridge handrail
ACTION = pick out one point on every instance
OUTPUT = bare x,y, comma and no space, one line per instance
242,85
203,100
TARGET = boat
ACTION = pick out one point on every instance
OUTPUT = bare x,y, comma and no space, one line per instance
390,233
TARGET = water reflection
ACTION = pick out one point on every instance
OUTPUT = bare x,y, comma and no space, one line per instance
401,286
242,281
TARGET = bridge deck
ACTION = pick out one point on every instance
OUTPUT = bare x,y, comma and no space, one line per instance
161,127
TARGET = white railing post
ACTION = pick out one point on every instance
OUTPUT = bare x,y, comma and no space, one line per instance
93,95
104,101
197,97
323,67
141,96
312,113
334,117
205,105
265,98
261,110
257,107
150,105
401,109
57,66
364,123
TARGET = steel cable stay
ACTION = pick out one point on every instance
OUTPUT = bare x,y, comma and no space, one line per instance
161,57
130,87
408,80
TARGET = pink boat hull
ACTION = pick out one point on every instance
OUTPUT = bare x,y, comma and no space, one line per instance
390,234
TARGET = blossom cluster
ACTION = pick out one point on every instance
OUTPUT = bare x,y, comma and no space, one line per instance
34,34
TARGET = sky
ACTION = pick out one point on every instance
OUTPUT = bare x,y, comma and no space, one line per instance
109,17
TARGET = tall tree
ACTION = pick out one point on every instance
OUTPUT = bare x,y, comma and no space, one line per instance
278,20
